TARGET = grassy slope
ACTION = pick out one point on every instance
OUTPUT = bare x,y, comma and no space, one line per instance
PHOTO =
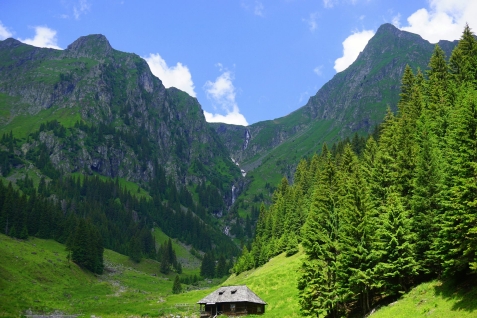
434,299
190,263
275,283
24,124
35,274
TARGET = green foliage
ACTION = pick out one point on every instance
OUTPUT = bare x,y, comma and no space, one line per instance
207,268
177,287
402,212
87,247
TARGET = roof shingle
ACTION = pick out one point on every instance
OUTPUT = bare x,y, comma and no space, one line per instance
228,294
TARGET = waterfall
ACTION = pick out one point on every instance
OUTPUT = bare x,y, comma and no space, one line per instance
233,194
247,139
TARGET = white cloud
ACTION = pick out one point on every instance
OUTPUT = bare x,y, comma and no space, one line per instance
396,20
222,94
318,70
177,76
258,9
352,46
328,3
44,37
4,32
312,21
443,20
234,118
81,8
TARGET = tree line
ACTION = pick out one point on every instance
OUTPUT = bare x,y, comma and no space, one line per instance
402,211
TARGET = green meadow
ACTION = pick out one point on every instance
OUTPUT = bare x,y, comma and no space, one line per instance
36,277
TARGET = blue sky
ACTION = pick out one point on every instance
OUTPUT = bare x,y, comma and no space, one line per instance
245,60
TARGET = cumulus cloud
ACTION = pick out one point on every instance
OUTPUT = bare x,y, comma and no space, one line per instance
443,20
82,7
44,37
222,94
352,46
177,76
4,32
312,21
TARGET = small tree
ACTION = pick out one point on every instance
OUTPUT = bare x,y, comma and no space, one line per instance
177,287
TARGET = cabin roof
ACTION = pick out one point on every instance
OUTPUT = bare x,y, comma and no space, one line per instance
230,294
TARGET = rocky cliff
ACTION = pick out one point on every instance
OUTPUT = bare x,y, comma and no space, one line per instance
121,121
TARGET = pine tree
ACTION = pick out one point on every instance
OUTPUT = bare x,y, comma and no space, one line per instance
357,263
457,238
426,197
207,268
463,60
80,246
318,284
135,249
397,266
177,287
165,259
221,266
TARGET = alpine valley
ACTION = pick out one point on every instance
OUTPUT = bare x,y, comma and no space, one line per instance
118,199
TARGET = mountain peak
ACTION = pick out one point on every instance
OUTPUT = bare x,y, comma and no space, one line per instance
10,43
90,46
388,31
387,28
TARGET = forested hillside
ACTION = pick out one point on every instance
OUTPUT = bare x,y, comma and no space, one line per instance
350,105
402,211
90,140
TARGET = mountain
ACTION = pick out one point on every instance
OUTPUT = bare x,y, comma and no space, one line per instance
92,110
353,101
93,83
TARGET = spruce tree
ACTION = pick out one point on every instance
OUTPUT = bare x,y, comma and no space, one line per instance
397,266
135,249
207,268
318,285
463,60
177,287
358,261
426,196
457,238
221,266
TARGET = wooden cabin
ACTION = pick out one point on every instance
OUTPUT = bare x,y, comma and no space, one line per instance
231,301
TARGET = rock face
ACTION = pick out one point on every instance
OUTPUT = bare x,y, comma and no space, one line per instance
121,119
354,100
358,96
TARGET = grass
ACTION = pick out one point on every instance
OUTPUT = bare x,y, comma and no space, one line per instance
275,283
130,186
190,263
35,275
440,299
24,124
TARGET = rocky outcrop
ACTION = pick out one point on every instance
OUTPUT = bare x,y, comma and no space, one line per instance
129,121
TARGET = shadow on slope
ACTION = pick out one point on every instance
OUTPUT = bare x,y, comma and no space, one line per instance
461,291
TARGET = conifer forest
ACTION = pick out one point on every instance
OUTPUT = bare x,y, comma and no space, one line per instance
378,218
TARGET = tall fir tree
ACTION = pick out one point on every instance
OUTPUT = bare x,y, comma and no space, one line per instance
319,289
